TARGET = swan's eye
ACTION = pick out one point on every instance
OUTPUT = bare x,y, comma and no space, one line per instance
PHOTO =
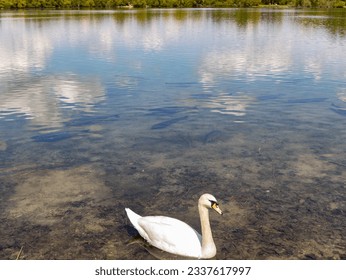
214,204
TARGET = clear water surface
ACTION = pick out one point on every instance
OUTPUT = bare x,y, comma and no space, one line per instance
148,109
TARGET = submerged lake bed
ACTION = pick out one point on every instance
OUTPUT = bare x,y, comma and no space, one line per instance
149,109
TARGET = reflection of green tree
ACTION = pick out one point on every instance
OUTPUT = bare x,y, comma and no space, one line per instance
143,16
272,17
180,15
334,20
244,17
17,4
121,18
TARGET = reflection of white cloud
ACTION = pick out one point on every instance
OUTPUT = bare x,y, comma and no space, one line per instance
157,36
25,48
273,51
242,63
34,101
229,105
38,99
28,45
126,82
153,41
151,36
314,67
76,91
342,96
22,50
103,42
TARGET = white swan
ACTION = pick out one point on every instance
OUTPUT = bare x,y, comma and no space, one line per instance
177,237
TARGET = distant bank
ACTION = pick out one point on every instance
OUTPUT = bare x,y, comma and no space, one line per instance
113,4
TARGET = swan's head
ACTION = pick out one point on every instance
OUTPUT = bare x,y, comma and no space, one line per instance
209,201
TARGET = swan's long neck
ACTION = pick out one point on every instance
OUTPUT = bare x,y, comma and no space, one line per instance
208,245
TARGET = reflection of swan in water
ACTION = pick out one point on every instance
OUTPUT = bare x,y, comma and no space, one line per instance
155,252
176,237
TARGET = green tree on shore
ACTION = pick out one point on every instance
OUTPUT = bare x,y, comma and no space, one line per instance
22,4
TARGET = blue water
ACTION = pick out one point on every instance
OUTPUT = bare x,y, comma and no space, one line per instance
102,110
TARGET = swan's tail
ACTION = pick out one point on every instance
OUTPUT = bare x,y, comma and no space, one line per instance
133,217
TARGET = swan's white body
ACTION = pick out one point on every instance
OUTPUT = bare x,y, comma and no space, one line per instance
175,236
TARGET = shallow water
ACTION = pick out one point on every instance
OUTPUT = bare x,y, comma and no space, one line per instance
148,109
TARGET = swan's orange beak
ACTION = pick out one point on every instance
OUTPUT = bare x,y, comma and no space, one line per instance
216,207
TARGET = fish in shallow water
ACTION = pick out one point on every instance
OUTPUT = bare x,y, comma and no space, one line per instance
339,110
212,137
168,123
90,120
170,110
307,100
52,137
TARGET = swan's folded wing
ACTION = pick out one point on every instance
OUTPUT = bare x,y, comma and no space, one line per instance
171,235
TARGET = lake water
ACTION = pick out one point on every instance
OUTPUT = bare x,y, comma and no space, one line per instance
149,109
